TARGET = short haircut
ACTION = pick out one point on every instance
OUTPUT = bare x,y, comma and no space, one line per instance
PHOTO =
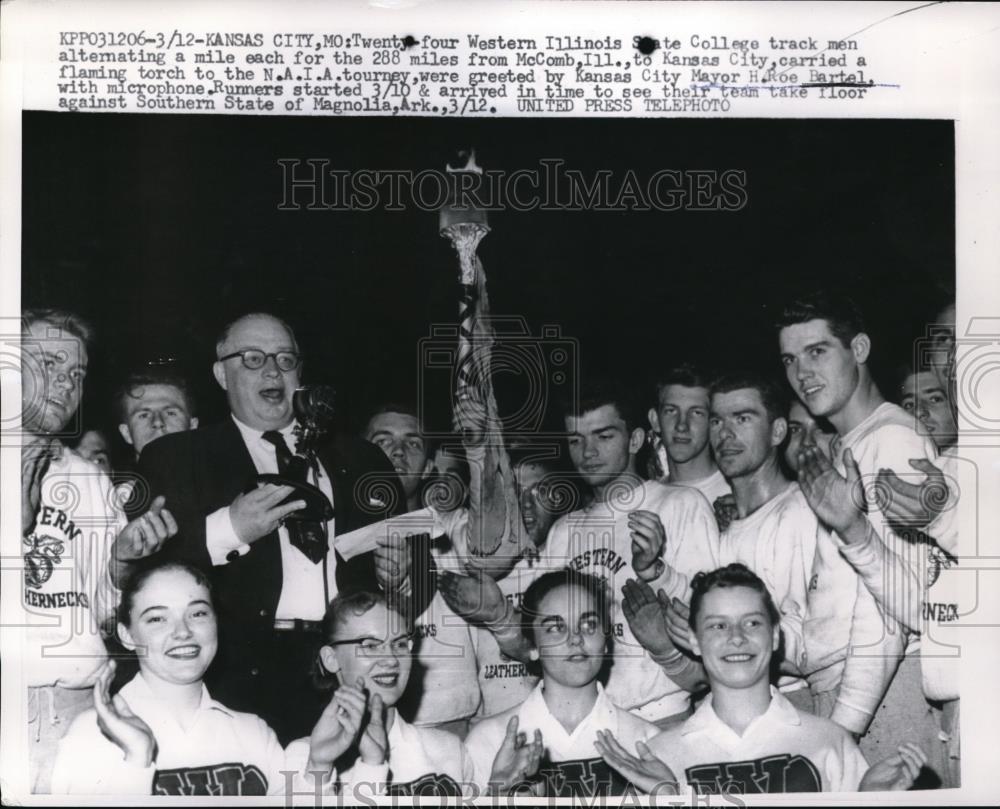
224,331
67,321
143,378
733,575
565,577
771,394
74,441
395,406
526,450
840,312
340,610
597,393
144,571
404,408
687,375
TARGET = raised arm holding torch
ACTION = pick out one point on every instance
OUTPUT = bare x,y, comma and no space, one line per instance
494,523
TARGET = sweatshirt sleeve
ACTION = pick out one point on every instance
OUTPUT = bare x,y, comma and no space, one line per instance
481,747
894,583
850,766
292,766
692,537
468,772
110,520
88,764
877,644
365,780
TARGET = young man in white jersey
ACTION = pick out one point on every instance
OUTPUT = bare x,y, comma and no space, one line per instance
76,546
824,607
930,599
680,419
773,533
825,350
631,529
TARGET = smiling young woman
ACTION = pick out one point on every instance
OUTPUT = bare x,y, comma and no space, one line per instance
162,733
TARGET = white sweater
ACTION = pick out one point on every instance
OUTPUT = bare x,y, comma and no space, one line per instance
68,593
927,598
597,540
421,761
778,543
571,765
222,752
783,750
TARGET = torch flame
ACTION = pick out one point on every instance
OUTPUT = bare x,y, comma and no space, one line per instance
470,163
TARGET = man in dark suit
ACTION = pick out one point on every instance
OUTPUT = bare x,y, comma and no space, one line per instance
270,591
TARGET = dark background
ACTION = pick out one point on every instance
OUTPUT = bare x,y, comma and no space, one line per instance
159,227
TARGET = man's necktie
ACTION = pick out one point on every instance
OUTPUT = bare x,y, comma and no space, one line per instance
306,535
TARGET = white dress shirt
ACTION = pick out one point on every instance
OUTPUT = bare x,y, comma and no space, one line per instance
302,589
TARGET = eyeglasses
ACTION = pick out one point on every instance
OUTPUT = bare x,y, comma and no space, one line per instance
373,647
254,359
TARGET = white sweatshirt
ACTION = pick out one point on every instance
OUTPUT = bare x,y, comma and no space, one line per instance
223,752
571,765
491,680
886,440
783,750
68,593
778,543
713,487
928,598
421,761
597,540
503,681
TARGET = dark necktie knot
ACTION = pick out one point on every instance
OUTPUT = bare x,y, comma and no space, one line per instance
281,450
307,535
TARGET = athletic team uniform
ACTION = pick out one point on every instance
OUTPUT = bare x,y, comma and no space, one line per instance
66,580
821,600
928,601
783,750
597,540
67,596
223,752
571,765
421,761
842,615
886,439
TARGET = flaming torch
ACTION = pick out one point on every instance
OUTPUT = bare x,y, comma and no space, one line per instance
493,499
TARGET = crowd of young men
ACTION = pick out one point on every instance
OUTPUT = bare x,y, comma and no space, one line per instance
743,476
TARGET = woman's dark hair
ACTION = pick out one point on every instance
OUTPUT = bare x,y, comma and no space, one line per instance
566,577
352,603
734,575
146,570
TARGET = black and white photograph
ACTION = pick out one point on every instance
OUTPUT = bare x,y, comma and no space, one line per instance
490,456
